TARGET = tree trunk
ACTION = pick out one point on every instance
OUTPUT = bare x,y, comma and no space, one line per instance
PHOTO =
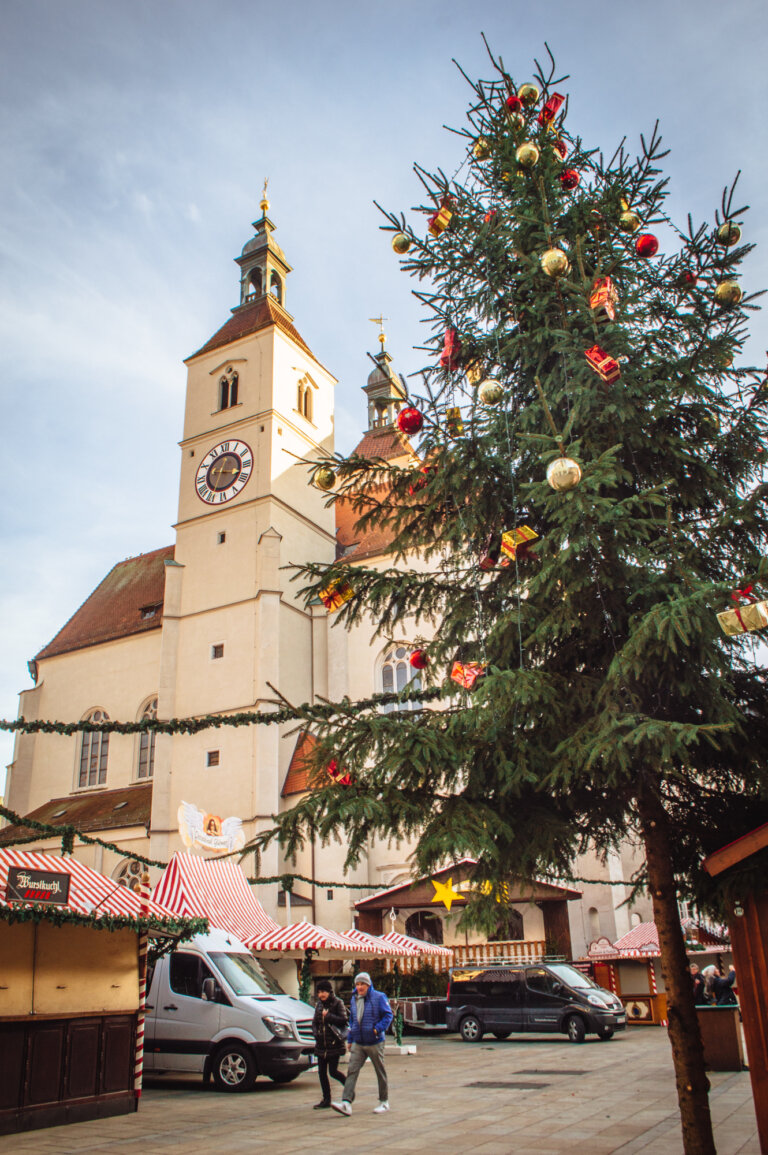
684,1034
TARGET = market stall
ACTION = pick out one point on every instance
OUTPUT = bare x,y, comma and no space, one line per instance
72,946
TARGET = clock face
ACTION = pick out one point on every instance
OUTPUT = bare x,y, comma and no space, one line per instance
223,472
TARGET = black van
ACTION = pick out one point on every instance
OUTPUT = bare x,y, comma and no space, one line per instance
543,997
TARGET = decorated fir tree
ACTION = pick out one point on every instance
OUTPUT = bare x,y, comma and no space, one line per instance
588,501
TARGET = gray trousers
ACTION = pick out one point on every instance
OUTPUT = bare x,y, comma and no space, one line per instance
357,1058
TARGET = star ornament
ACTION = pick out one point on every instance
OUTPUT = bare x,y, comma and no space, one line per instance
445,893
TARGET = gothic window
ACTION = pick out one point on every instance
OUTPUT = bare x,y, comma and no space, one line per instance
228,390
146,767
396,673
307,406
425,926
94,752
301,389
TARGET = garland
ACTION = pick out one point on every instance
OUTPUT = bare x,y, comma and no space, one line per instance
178,928
319,712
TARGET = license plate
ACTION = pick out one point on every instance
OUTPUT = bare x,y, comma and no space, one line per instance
621,1018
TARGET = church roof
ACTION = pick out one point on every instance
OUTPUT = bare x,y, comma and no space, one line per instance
128,601
251,318
297,778
389,444
99,810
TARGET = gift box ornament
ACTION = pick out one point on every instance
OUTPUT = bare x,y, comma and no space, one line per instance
747,615
440,220
454,422
335,594
551,109
466,673
339,774
491,552
451,354
606,367
516,541
603,299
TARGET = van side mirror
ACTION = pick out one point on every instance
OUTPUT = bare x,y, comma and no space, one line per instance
209,990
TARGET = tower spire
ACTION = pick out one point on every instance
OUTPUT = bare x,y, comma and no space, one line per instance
263,265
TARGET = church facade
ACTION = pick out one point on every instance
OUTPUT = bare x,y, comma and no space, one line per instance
213,624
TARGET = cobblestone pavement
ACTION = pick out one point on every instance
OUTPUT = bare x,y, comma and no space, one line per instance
530,1094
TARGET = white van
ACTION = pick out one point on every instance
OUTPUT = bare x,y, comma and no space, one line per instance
212,1008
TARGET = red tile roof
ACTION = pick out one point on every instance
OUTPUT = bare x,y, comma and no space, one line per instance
102,810
297,778
387,443
251,318
114,609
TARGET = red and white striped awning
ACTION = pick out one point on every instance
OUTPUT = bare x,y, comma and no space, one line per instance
91,895
416,944
301,936
218,891
381,945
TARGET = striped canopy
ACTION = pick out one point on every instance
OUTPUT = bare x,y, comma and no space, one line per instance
416,944
381,945
301,936
216,890
91,895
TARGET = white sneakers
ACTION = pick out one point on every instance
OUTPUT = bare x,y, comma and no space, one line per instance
345,1107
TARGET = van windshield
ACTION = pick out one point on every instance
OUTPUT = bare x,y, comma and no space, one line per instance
571,976
245,974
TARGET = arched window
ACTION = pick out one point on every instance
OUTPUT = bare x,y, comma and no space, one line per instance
146,766
425,926
94,753
256,281
396,673
128,873
307,407
510,929
593,918
228,390
276,287
301,389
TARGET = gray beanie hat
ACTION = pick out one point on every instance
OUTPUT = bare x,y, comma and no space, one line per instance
364,977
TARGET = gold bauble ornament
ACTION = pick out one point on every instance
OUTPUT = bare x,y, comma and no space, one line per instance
527,155
325,478
516,120
555,263
490,392
528,93
728,234
401,243
563,473
629,222
728,293
482,149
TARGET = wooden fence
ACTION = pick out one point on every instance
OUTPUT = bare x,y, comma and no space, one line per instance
479,954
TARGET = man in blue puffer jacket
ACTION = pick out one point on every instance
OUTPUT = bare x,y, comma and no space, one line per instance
369,1016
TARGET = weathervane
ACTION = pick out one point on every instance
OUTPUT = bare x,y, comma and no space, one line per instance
382,335
264,206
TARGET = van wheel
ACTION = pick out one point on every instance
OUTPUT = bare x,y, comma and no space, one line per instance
605,1033
575,1029
234,1068
471,1029
502,1034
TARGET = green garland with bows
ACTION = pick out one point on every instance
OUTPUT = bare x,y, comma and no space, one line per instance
178,928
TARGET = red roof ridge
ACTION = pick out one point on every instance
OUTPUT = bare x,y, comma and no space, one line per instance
251,318
94,810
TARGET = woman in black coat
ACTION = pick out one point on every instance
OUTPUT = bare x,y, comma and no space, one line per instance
329,1026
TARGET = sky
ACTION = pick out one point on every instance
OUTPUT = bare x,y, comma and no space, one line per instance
135,137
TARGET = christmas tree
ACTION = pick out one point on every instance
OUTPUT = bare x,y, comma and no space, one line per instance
588,497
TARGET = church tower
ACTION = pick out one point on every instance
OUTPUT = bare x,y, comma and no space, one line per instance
235,630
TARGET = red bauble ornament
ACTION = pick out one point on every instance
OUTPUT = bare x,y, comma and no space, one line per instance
514,103
490,217
449,358
419,659
688,279
561,148
409,420
339,775
569,179
646,245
